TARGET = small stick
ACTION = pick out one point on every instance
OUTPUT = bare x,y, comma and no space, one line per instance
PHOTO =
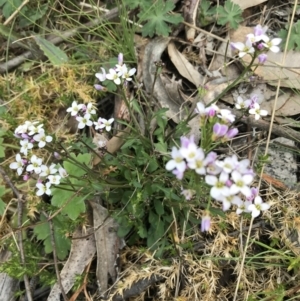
55,257
16,12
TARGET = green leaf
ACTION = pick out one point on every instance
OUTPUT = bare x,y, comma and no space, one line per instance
9,6
143,5
142,231
231,13
56,56
33,15
157,18
2,149
294,41
159,207
161,147
42,232
75,170
2,203
75,205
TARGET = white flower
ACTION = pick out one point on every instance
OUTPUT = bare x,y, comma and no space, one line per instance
257,112
103,123
54,179
84,121
26,145
115,76
242,104
219,185
243,49
228,164
90,109
121,68
101,76
75,108
35,129
127,75
273,44
18,165
241,183
188,193
41,138
35,164
258,206
43,189
198,163
189,151
46,171
22,129
227,201
242,206
62,172
177,161
226,116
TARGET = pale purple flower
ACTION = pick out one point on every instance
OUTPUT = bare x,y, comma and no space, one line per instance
254,193
230,134
205,223
99,87
179,174
43,189
258,206
260,31
219,130
115,76
75,108
101,76
177,161
120,59
18,165
262,58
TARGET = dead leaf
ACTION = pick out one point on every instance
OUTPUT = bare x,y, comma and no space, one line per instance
246,3
183,66
153,52
82,251
108,245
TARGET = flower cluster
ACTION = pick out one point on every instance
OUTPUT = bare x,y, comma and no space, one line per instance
83,114
252,105
257,44
218,121
32,134
230,179
119,74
